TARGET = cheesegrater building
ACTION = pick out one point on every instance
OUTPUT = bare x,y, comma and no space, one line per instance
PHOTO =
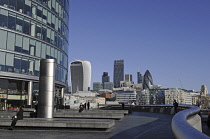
31,30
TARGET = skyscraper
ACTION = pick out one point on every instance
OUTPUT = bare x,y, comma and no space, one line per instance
139,77
31,30
128,77
118,72
105,78
80,76
148,81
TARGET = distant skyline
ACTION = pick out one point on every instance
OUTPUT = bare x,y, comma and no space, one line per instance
169,38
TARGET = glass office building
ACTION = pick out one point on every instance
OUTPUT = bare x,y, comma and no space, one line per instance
31,30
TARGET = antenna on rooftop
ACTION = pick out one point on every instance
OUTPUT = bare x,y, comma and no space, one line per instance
180,83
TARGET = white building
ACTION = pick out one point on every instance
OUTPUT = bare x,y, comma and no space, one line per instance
80,76
127,95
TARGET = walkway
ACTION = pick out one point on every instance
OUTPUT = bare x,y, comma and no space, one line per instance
138,125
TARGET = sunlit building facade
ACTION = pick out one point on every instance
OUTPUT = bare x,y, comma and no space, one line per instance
31,30
80,76
147,81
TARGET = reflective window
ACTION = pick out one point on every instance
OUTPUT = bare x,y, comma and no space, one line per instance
24,65
33,10
4,2
2,61
39,13
12,4
3,36
38,48
10,62
26,28
18,43
43,52
11,41
17,64
37,63
33,29
3,18
38,31
25,45
32,47
20,5
11,20
31,66
48,52
27,7
19,23
44,33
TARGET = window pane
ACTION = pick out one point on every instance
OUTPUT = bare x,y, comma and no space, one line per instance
38,48
33,28
17,64
48,52
3,18
31,66
11,41
19,23
43,50
27,7
10,62
32,47
2,61
18,43
52,52
11,21
3,36
24,65
25,45
26,28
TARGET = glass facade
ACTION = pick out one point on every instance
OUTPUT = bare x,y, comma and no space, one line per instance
31,30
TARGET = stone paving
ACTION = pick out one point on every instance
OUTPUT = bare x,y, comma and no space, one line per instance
138,125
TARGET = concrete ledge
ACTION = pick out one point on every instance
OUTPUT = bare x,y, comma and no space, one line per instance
88,115
95,111
61,123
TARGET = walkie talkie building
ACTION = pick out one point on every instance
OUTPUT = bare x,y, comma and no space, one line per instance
31,30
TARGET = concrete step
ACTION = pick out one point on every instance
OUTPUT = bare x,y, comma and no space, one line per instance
94,111
88,115
60,123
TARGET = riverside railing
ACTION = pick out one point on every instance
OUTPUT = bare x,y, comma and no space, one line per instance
186,124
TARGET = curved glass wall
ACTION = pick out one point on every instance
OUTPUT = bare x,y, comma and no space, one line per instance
31,30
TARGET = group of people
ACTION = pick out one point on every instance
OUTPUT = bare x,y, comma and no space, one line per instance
83,106
18,116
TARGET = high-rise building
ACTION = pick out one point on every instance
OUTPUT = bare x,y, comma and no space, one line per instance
118,72
105,77
97,86
128,77
80,76
147,81
31,30
139,78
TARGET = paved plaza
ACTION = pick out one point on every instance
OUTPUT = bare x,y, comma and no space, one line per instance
138,125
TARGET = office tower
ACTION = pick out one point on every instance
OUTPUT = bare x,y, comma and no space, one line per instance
105,78
80,75
128,77
147,81
97,86
108,85
139,78
31,30
118,72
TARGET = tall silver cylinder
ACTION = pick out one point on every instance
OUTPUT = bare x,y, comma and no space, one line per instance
30,86
46,89
62,96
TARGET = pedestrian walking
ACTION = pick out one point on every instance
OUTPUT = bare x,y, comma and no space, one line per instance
175,106
88,105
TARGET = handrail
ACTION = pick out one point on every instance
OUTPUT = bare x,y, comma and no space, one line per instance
182,129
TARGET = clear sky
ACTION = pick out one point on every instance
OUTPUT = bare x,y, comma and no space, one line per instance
170,38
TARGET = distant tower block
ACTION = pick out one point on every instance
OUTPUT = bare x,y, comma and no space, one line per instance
80,76
118,72
46,89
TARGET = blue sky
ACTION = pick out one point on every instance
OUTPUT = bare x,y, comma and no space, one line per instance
170,38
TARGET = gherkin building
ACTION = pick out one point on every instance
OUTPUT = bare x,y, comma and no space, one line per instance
147,81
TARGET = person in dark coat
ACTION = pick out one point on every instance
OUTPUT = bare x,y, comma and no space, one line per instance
123,105
88,105
81,107
175,106
20,113
18,116
85,105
